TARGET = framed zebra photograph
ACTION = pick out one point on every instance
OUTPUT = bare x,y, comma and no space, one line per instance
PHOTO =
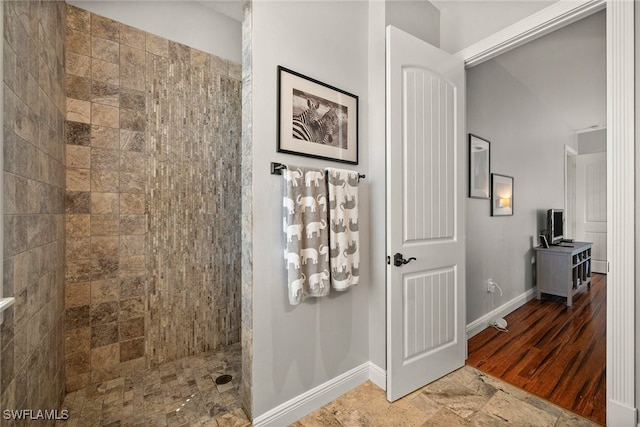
316,119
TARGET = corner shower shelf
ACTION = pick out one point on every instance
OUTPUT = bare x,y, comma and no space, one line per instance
4,304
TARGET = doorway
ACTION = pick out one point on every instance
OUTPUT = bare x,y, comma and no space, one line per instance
524,109
621,117
620,153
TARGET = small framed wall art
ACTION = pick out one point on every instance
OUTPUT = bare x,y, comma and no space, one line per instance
501,195
479,167
315,119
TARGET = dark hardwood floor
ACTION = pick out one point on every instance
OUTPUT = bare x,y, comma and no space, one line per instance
553,351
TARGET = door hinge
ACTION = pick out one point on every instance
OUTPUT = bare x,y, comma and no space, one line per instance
608,267
388,260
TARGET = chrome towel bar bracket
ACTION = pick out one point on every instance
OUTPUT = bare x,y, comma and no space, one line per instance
276,169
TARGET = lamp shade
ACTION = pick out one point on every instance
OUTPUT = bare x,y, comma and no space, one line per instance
504,202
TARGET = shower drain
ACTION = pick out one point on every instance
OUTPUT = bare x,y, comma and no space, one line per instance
223,379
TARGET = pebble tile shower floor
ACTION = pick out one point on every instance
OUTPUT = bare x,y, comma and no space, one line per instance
180,393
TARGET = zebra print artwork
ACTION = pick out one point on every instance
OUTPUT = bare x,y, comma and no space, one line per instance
319,130
310,115
316,119
306,119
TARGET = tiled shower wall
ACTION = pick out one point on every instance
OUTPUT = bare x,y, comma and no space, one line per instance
32,334
247,212
194,204
153,210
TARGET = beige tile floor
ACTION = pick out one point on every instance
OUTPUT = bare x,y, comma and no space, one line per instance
466,397
180,393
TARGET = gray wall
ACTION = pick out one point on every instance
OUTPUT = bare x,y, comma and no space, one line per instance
296,348
376,180
592,142
527,142
419,18
637,159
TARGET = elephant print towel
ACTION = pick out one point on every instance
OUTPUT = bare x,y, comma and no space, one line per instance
306,233
344,243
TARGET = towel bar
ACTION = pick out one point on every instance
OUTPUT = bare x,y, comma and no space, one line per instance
276,169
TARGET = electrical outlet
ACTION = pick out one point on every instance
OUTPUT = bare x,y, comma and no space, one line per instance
491,287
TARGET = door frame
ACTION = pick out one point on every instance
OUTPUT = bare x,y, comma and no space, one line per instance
621,254
569,196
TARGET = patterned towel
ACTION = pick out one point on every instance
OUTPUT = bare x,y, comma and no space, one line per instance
343,221
307,234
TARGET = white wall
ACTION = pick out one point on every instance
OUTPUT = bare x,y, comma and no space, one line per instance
186,22
527,142
296,348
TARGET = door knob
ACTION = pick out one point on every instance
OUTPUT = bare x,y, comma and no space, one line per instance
398,260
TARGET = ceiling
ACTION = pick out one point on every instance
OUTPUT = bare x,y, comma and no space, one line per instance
566,71
465,22
232,8
480,18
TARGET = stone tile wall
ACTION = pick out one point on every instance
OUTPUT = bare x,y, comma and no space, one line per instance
194,132
32,334
151,220
247,212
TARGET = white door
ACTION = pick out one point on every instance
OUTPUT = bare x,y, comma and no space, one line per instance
591,206
425,213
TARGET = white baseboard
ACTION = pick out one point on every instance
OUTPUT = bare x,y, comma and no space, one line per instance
480,324
619,414
296,408
378,376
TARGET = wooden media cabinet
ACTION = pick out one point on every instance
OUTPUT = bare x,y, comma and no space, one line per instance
563,269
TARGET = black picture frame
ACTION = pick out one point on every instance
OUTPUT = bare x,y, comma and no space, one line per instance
315,119
501,195
479,167
544,243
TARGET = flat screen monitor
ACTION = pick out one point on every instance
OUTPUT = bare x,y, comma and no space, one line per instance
555,225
